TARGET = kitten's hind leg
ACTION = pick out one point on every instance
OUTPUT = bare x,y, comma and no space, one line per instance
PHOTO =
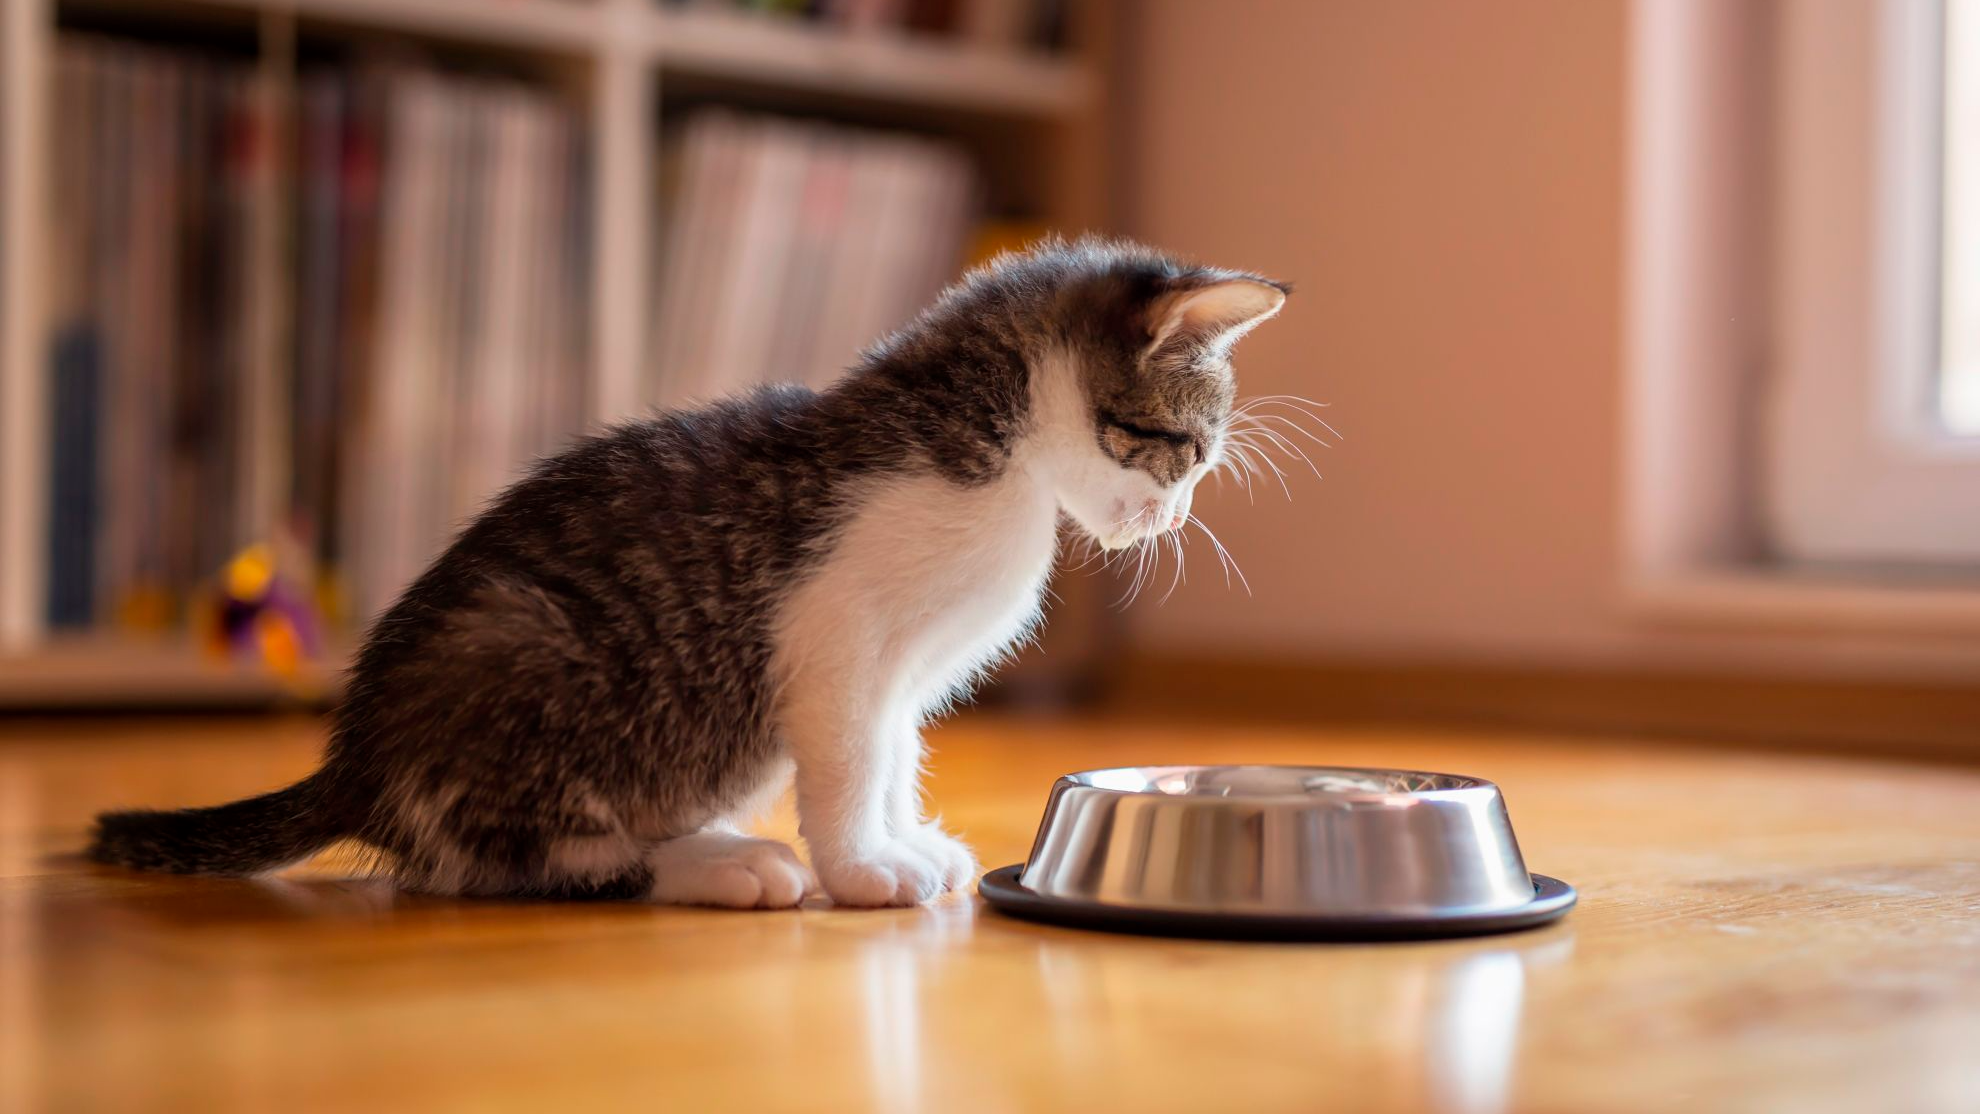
632,884
721,866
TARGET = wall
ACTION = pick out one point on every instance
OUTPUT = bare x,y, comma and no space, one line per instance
1445,184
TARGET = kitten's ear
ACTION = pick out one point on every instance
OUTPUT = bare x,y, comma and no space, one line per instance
1215,315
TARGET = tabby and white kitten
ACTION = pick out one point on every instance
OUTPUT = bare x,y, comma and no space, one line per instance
636,646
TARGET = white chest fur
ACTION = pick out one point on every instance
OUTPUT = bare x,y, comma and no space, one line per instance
928,584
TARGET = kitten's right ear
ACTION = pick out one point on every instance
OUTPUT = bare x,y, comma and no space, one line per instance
1216,314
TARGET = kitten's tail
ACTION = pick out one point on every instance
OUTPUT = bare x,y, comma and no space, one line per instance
246,837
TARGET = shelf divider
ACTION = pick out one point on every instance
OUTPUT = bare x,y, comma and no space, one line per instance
27,34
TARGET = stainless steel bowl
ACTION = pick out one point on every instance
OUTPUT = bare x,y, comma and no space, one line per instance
1286,849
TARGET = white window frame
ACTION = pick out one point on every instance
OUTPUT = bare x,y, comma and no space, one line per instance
1959,268
1858,470
1700,248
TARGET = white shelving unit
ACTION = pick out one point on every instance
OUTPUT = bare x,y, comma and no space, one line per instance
1043,113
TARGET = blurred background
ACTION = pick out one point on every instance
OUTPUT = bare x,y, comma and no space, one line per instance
1651,330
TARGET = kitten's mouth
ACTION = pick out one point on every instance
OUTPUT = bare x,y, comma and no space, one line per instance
1152,521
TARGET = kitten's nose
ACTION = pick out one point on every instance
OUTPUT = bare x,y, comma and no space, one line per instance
1177,520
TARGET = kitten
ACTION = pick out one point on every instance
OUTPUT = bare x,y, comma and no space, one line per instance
640,643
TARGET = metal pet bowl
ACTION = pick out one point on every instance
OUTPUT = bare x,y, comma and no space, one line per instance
1288,852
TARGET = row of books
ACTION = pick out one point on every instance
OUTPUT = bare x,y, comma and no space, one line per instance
997,24
159,161
478,363
789,246
343,362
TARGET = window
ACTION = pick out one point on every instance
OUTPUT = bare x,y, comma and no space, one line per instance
1871,421
1798,453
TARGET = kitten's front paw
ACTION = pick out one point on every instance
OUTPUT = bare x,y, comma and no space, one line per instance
956,861
897,873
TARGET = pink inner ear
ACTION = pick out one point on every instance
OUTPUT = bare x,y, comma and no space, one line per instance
1233,306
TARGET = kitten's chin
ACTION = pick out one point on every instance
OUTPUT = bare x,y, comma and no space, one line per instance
1108,541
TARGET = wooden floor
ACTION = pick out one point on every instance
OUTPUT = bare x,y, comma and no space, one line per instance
1757,933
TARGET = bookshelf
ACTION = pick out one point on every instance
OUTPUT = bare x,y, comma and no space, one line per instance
619,65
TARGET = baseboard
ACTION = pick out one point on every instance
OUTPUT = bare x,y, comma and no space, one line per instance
1937,721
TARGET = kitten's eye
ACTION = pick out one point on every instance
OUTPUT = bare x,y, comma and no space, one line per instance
1149,433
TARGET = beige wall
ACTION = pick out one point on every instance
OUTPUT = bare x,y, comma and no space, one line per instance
1445,184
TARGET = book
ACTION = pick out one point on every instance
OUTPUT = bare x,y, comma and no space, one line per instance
790,246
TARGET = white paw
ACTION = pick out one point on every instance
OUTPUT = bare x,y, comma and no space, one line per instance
896,873
729,870
950,855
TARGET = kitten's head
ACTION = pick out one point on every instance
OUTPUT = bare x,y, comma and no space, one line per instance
1134,407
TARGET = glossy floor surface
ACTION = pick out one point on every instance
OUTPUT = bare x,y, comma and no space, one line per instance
1757,932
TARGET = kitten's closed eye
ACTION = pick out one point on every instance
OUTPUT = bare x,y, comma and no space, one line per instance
1151,433
1131,434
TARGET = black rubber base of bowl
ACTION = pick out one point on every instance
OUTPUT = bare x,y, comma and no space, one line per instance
1551,900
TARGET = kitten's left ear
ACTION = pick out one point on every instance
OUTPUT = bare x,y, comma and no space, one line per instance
1215,315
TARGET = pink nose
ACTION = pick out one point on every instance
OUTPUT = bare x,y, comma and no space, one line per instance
1176,523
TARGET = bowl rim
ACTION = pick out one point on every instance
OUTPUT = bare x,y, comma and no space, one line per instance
1001,890
1467,784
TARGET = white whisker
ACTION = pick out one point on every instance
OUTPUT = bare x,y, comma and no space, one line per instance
1174,541
1243,438
1291,402
1141,571
1292,425
1285,444
1224,555
1239,463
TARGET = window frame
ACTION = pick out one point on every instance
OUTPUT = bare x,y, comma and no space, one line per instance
1857,470
1697,338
